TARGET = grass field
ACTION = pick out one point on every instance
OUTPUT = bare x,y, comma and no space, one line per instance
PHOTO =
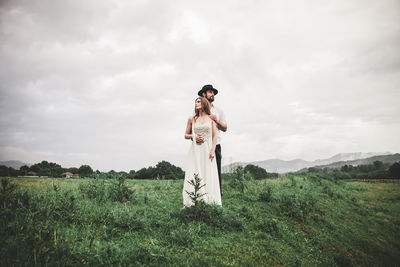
299,219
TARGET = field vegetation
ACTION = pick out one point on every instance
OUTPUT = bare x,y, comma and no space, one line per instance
306,219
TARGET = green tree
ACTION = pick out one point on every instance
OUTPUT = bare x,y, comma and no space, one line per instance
46,168
122,175
44,172
131,174
34,168
313,169
166,170
378,165
142,174
85,171
345,168
23,170
394,170
73,170
4,171
163,170
256,171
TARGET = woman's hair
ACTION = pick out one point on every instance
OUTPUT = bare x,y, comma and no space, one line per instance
205,106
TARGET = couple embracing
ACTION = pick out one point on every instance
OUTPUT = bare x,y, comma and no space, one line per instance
204,157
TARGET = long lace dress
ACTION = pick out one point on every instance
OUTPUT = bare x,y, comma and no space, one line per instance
198,162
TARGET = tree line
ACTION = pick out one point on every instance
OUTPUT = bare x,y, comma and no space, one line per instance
250,170
376,170
259,172
163,170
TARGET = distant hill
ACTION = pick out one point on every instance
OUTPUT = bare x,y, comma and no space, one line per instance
283,166
15,164
385,159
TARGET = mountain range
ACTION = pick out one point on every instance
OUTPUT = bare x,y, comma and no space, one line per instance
283,166
390,159
15,164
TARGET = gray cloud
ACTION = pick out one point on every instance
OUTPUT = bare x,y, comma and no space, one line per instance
111,83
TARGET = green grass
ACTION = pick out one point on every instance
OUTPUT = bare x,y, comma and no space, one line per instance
300,219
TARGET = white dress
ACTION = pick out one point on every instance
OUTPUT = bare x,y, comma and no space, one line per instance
198,162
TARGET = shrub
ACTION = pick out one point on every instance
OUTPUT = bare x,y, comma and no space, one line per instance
118,191
266,195
269,226
341,259
29,225
7,191
248,176
93,189
98,189
293,181
61,205
126,220
297,206
210,214
182,236
200,212
238,179
326,189
244,212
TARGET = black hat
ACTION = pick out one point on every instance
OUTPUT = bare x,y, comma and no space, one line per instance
207,87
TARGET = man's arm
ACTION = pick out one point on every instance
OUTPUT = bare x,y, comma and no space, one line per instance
222,126
221,123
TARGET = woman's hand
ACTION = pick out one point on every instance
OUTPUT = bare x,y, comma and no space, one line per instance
199,139
212,155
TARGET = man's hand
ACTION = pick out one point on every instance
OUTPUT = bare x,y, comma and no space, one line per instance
213,117
199,139
218,123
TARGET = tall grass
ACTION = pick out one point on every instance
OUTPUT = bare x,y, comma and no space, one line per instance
298,219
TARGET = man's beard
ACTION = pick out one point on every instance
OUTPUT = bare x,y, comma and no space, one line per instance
210,99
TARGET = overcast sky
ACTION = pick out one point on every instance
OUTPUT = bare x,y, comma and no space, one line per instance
112,83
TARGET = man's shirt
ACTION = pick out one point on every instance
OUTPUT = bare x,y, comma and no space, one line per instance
221,118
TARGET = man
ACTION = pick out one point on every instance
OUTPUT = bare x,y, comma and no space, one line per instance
217,115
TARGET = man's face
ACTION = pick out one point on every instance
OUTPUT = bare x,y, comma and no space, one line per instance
209,95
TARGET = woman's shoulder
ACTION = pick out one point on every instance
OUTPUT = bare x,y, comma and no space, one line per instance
191,119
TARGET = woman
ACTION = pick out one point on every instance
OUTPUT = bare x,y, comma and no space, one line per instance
201,157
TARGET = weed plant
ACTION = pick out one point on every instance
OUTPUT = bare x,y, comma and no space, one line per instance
266,195
196,196
238,179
